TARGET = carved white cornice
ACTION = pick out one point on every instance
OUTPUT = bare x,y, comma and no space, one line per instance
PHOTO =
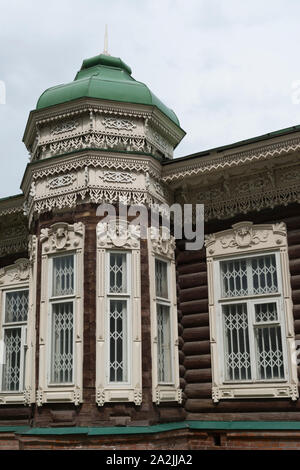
266,188
203,165
90,122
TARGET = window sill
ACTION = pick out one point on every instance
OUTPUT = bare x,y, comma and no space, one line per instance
257,390
164,393
15,398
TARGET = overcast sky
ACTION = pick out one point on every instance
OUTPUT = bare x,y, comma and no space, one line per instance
226,67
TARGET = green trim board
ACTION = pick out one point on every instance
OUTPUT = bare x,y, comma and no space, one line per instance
157,428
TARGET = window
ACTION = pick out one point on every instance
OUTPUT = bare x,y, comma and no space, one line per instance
164,324
17,328
252,327
164,340
62,319
14,336
118,324
251,313
61,314
118,297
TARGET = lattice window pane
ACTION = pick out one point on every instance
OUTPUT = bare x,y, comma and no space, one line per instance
117,273
118,341
62,342
164,357
12,366
16,306
63,275
234,278
161,279
264,274
266,312
269,353
236,338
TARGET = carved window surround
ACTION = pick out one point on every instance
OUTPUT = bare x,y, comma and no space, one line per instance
242,240
59,239
161,246
22,275
124,239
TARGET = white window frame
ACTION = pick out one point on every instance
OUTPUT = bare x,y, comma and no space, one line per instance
246,240
121,296
59,240
22,325
59,300
129,243
17,277
161,246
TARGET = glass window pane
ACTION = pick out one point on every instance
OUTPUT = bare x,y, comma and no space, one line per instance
161,279
12,365
264,274
164,344
16,306
63,275
236,339
269,353
62,343
118,341
266,312
234,278
117,273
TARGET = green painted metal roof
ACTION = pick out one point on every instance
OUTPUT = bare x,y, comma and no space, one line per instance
107,78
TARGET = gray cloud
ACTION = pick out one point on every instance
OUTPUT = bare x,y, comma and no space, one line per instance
225,67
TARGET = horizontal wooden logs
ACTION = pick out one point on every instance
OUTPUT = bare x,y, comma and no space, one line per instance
191,268
207,405
194,306
198,375
187,257
198,390
196,334
295,282
187,281
294,251
194,293
197,319
201,361
196,347
295,266
296,296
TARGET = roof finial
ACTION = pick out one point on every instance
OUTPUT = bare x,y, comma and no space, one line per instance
105,50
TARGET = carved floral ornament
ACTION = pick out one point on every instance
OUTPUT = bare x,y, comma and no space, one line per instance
118,124
245,235
118,233
18,272
62,236
60,181
66,126
163,243
118,177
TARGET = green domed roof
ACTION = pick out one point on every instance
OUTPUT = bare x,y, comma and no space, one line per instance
107,78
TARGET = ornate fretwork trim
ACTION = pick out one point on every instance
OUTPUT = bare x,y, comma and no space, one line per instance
174,173
240,195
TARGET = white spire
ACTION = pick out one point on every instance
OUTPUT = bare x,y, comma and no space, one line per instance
105,50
